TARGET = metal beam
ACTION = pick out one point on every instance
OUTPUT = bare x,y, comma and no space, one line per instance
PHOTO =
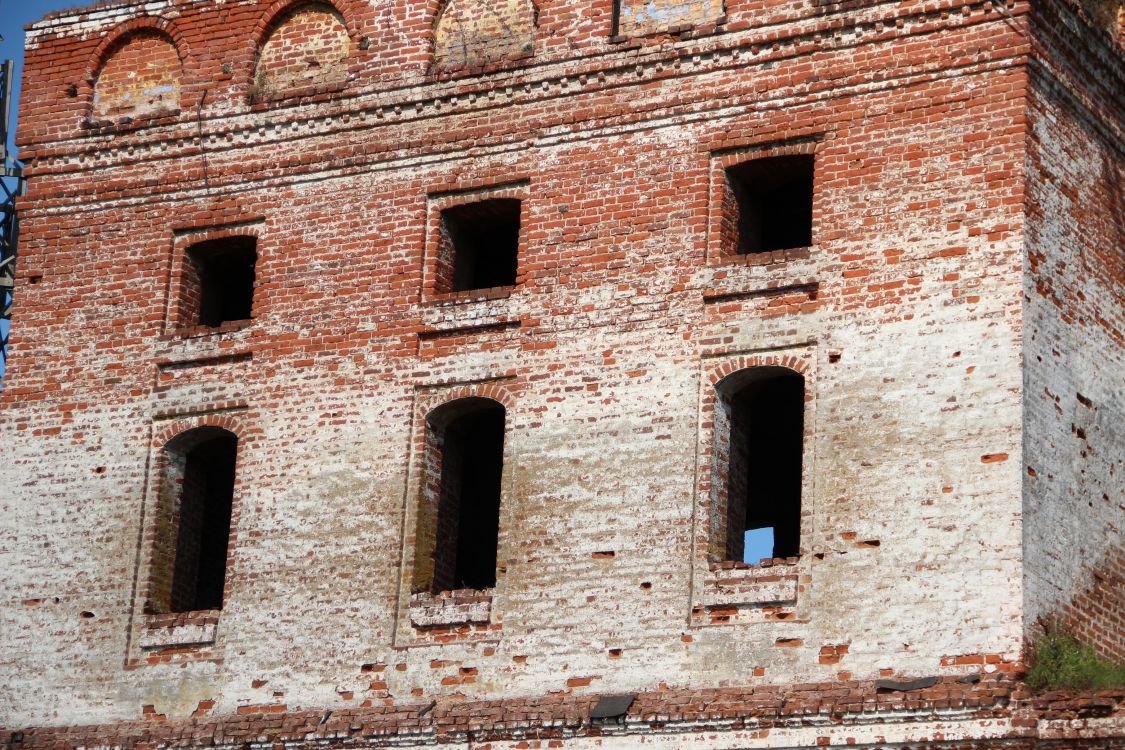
10,188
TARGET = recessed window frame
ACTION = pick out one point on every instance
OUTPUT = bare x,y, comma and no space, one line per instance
721,250
180,320
726,592
156,635
470,614
437,271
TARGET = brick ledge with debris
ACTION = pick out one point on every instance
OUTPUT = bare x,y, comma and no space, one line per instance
976,710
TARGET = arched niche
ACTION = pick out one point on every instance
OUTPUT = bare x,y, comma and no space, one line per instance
141,76
476,32
307,48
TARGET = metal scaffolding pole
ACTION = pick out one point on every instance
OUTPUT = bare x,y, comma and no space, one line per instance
11,186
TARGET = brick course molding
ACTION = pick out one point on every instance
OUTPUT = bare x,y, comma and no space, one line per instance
408,374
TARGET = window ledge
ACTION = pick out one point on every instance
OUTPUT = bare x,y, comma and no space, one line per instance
686,30
460,607
126,123
193,332
177,629
765,562
773,581
771,257
313,93
471,295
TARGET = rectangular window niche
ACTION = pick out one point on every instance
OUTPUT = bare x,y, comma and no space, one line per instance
762,204
474,244
213,277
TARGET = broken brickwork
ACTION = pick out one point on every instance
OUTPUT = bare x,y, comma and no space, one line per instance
305,246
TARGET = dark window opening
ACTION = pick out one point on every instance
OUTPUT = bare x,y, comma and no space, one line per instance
218,284
480,245
203,525
770,204
766,422
471,448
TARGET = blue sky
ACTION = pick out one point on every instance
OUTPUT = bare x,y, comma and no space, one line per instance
14,15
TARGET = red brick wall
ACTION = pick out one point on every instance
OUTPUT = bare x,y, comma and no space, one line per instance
905,313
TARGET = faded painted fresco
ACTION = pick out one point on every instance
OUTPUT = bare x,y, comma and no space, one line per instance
475,32
141,78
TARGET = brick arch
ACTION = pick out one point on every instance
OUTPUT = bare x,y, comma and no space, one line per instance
752,361
279,9
118,39
121,34
273,19
448,411
475,33
221,234
168,433
487,391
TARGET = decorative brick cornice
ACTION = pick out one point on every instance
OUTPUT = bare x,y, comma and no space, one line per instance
327,115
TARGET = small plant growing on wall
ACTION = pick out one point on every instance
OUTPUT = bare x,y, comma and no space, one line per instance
1060,662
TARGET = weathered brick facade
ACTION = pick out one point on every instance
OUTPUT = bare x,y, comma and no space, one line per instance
286,229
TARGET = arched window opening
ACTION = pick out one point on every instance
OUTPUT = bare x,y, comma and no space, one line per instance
218,282
478,32
762,415
190,557
768,204
466,442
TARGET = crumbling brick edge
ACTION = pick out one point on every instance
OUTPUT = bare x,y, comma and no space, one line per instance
998,701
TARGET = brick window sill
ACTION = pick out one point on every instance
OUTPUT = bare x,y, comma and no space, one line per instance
773,257
450,608
440,72
179,629
195,332
714,26
311,94
771,582
127,123
471,295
